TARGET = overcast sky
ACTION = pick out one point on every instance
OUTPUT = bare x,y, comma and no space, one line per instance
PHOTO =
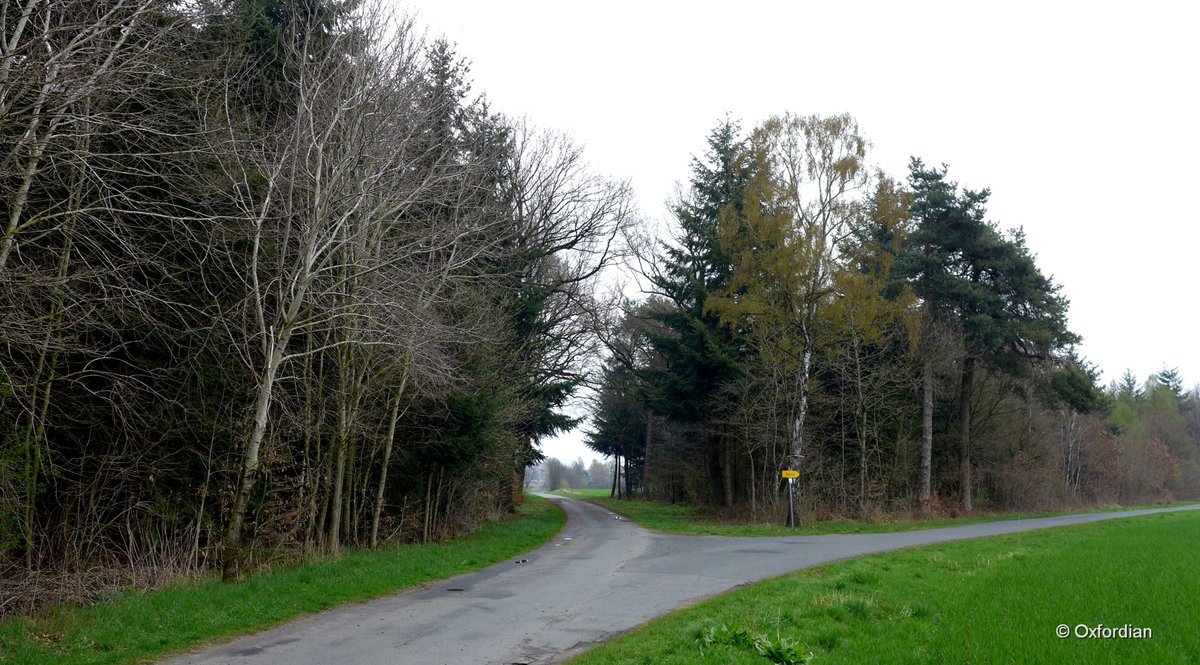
1082,118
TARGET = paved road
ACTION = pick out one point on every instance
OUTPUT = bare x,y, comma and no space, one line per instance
600,576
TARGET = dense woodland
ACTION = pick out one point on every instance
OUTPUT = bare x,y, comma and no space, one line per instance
881,337
276,281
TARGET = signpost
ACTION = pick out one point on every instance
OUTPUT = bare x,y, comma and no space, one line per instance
791,475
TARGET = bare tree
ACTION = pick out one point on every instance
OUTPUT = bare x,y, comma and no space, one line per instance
56,56
334,194
569,226
71,264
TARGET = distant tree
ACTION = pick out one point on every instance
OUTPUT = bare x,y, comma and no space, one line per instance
1126,395
557,475
1171,379
618,425
578,474
599,475
535,476
1127,387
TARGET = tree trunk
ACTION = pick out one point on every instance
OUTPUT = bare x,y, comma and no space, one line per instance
336,508
437,502
428,525
927,440
964,428
727,471
646,458
862,460
323,517
802,412
231,553
387,456
753,487
860,406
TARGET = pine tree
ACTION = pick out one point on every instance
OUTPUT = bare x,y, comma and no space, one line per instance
985,285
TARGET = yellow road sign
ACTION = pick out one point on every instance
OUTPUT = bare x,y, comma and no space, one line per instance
789,473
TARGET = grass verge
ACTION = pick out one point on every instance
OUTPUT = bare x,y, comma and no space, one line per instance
694,521
134,627
992,600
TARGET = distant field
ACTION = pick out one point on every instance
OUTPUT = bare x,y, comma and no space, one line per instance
992,600
135,627
589,494
689,520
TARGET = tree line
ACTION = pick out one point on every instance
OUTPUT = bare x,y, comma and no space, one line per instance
881,337
275,280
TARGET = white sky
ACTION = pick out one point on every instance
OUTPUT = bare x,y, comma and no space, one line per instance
1082,118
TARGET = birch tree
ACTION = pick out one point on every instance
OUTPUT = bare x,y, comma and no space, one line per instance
800,206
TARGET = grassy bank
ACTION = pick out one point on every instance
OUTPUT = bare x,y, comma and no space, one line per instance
695,521
994,600
137,626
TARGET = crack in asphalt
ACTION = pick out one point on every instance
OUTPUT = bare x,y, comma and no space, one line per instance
597,578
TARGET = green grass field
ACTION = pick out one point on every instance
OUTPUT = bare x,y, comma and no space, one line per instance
586,493
694,521
136,626
992,600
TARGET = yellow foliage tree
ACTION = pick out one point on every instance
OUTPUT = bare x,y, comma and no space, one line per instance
800,208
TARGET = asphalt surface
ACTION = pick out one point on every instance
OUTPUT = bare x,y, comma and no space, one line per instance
600,576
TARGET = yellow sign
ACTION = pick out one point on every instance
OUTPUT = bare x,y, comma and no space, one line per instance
789,473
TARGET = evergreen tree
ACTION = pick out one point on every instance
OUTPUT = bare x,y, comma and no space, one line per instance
985,285
698,352
619,425
1075,384
1170,378
1127,387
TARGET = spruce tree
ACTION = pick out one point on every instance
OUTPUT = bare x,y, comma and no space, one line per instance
698,352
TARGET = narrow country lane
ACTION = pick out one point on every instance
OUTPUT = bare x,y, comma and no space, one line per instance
600,576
